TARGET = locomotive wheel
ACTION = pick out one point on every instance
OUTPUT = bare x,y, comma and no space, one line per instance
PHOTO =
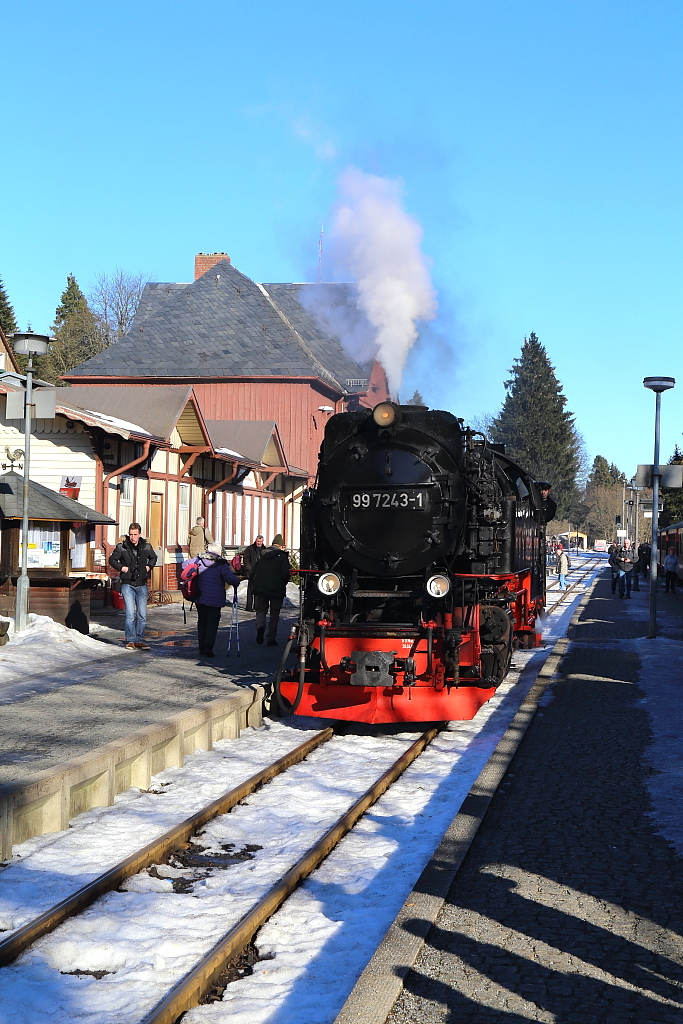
495,630
494,624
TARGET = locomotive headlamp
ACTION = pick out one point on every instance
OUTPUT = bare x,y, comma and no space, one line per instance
329,583
386,414
438,586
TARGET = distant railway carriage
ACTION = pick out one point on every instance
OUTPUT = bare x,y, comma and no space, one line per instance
672,537
423,560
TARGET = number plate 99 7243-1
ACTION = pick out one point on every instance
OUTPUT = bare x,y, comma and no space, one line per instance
371,500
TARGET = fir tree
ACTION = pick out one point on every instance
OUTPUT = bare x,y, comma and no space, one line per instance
77,335
8,321
535,427
600,475
417,399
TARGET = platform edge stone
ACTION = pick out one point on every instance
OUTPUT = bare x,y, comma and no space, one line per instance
45,801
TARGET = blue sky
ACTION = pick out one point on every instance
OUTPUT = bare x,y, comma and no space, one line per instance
539,145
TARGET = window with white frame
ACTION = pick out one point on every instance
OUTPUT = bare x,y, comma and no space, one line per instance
126,488
184,495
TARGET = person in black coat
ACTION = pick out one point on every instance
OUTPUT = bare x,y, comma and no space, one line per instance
269,583
214,575
549,506
249,559
134,558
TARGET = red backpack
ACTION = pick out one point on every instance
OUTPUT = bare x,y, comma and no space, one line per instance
189,575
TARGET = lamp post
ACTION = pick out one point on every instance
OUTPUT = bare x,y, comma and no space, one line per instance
656,384
26,345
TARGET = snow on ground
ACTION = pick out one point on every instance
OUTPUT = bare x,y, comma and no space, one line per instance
46,646
149,935
48,868
324,935
661,676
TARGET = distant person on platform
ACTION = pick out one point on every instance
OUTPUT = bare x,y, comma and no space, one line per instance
199,538
611,557
671,570
644,556
134,560
269,584
214,575
562,566
249,559
623,560
547,504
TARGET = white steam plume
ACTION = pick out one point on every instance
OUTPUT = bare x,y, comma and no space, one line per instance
378,244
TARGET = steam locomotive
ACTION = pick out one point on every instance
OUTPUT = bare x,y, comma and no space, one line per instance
423,567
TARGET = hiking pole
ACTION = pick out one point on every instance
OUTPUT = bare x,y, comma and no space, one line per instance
237,622
234,625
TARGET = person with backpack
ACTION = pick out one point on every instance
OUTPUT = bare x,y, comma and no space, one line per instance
562,566
199,538
269,580
203,579
134,558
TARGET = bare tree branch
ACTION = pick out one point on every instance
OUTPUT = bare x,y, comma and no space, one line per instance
114,299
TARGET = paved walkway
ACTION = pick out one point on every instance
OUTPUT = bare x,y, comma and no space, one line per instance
52,718
569,907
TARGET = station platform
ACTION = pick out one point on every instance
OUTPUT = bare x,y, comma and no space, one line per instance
52,717
569,905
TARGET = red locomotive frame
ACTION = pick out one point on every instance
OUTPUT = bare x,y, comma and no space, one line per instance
431,694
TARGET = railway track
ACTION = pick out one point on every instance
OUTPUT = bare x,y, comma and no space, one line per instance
174,858
586,571
193,871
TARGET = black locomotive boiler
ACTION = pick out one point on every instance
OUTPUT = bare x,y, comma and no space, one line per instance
423,566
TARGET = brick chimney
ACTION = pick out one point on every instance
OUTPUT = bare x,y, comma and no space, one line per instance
203,261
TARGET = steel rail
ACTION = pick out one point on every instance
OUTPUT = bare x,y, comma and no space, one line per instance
190,989
564,593
153,853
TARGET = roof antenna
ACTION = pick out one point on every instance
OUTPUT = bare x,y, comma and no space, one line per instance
320,253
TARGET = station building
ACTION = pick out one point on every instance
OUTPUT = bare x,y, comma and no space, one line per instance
214,404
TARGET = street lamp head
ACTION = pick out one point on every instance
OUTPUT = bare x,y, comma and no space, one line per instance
31,344
658,384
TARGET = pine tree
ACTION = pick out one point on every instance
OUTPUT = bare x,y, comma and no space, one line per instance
600,475
77,335
8,321
417,399
535,427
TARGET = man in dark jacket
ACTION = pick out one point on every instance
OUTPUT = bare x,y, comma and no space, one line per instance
214,574
269,583
134,560
622,561
249,559
549,506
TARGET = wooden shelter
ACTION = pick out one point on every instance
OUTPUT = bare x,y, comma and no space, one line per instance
60,531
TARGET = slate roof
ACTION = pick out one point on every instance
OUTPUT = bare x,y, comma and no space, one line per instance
43,503
224,324
320,336
248,437
155,408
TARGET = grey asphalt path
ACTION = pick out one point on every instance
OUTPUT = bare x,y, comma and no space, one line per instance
49,719
569,906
